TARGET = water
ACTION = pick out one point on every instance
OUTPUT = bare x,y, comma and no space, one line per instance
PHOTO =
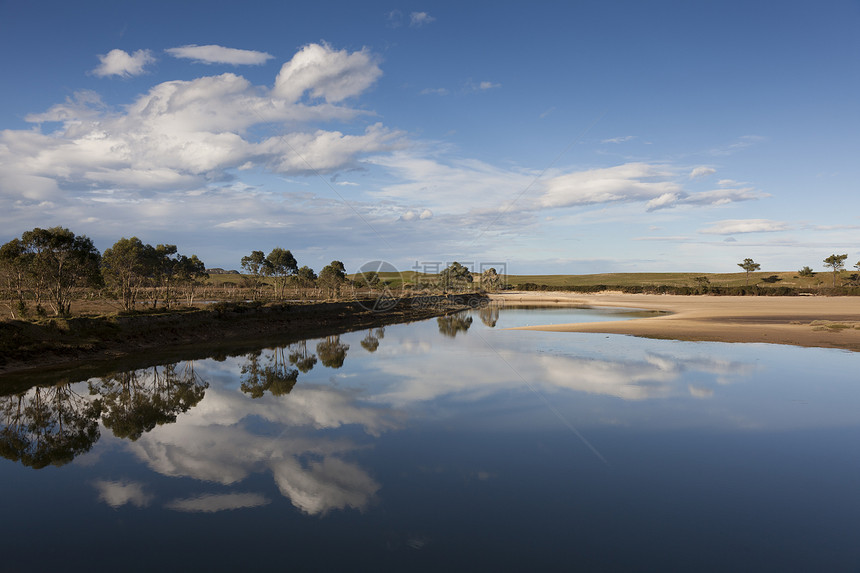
445,444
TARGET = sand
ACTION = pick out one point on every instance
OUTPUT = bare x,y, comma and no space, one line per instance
813,321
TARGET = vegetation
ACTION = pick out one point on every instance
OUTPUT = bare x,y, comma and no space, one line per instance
53,270
837,263
749,266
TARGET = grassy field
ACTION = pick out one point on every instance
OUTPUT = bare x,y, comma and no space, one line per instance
790,279
787,278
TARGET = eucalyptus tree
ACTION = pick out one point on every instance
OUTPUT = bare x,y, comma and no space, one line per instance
305,277
490,279
13,276
837,263
188,272
128,266
281,265
332,277
455,277
749,266
255,265
60,262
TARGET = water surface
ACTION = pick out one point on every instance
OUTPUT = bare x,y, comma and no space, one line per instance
447,443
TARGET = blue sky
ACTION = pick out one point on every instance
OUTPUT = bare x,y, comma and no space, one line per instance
575,137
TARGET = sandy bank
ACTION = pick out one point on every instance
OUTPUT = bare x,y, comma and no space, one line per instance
829,322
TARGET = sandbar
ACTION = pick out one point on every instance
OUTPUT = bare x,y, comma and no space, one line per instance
812,321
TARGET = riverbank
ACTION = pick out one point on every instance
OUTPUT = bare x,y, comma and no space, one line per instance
812,321
81,346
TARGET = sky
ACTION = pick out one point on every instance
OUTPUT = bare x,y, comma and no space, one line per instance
539,138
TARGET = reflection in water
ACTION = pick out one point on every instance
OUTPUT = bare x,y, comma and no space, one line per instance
371,340
135,402
270,373
301,358
489,315
451,324
427,423
332,351
47,426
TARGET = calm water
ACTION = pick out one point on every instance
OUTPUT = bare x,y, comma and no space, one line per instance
444,445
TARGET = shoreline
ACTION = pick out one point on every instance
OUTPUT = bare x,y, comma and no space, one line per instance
809,321
84,347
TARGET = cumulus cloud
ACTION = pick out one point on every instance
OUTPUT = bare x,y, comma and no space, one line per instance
738,226
121,63
213,54
418,19
701,171
184,135
332,75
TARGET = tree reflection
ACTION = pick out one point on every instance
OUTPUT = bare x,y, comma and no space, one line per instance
332,351
135,402
489,315
301,358
371,341
47,426
453,323
268,373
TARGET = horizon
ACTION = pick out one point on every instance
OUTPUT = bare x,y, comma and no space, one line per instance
553,139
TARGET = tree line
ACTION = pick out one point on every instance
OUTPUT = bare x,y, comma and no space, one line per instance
44,270
50,267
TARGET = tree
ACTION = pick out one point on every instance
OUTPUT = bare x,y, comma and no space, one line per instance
164,269
332,277
490,280
128,266
60,262
455,277
255,265
13,274
188,272
806,272
749,266
305,277
837,263
280,264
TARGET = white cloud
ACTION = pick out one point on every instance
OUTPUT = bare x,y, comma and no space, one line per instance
326,73
701,171
488,85
121,63
426,214
738,226
418,19
213,54
119,493
619,139
211,503
622,183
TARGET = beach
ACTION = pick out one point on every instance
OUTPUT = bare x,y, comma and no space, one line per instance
813,321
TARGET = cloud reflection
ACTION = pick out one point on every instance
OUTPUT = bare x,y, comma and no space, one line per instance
119,493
